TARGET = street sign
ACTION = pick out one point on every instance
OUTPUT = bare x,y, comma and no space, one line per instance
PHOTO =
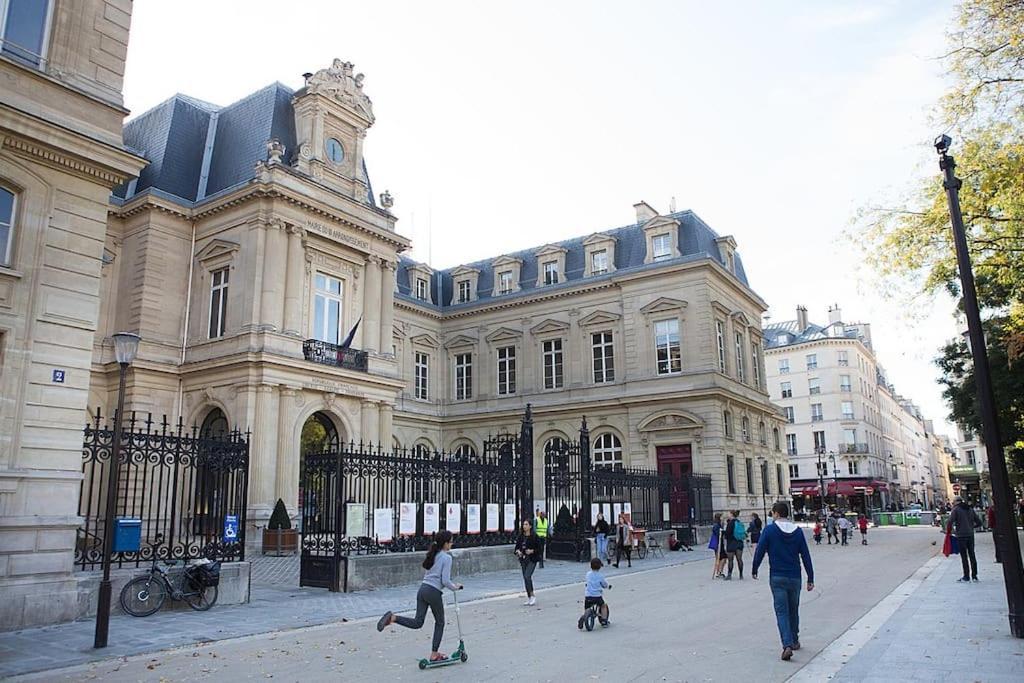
230,528
869,490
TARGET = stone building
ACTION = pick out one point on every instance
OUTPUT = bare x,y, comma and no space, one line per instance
252,245
61,153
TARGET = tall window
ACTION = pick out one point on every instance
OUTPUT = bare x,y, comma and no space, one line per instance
463,291
745,426
23,26
604,358
783,366
218,302
762,436
463,376
755,364
844,383
421,289
662,245
813,386
972,460
607,451
764,477
750,475
791,444
421,376
790,415
847,410
507,370
778,479
6,225
666,340
505,282
551,273
727,420
465,453
853,466
731,472
327,308
739,357
850,439
819,441
599,262
794,471
720,339
552,352
787,389
844,358
817,415
812,361
775,439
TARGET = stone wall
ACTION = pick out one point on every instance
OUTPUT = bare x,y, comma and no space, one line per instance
366,572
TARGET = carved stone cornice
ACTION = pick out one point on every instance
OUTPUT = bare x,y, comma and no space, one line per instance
63,161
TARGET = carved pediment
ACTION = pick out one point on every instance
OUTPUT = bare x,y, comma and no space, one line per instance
663,305
599,318
462,271
506,261
721,308
549,326
216,248
398,331
660,222
741,318
669,419
550,250
339,82
428,340
460,340
504,334
598,238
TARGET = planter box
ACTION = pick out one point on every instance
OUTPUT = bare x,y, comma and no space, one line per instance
280,541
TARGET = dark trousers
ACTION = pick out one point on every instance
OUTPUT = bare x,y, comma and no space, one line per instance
844,532
786,596
737,555
428,596
528,567
966,544
624,548
542,541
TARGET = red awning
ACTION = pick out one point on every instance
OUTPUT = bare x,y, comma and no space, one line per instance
803,490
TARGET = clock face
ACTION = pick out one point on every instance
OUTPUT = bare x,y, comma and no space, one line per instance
335,152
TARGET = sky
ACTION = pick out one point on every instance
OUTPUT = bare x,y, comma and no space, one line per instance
504,126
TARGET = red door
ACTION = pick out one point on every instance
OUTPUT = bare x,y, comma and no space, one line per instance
677,461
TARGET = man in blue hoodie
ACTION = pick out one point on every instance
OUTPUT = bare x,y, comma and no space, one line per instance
786,546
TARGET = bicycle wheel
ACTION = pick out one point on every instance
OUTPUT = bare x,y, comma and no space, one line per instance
591,615
202,599
143,596
641,550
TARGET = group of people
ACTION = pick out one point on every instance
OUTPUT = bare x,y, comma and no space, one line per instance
727,541
838,526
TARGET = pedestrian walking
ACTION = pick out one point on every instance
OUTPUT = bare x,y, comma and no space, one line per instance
623,540
991,519
962,522
735,532
862,522
528,552
601,536
755,527
784,544
817,532
717,543
541,529
844,528
830,528
438,576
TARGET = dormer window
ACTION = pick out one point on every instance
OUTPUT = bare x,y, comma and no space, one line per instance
599,262
463,291
505,282
662,246
551,273
421,289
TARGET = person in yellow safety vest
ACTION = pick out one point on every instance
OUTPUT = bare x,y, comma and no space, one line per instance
540,528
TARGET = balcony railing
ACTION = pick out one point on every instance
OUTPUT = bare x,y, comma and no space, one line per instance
853,448
331,354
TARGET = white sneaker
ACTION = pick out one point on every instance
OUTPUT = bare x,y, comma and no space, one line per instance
532,601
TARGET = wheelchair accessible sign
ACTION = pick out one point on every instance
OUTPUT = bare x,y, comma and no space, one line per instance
230,528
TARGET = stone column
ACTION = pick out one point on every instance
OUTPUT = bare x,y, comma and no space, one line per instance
387,308
287,451
262,471
371,305
293,284
370,422
386,418
272,297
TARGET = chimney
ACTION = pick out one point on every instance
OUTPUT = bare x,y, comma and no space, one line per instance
801,319
644,212
834,314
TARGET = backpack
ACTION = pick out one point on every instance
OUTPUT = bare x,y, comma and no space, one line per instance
739,531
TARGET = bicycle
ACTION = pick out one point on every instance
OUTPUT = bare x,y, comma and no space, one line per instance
144,595
640,548
593,614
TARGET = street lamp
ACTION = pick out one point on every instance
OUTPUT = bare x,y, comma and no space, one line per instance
1006,538
821,476
126,345
835,474
763,461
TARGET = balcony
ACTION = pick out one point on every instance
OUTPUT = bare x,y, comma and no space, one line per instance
853,448
324,353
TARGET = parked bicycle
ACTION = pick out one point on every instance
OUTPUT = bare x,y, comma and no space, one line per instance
196,585
640,548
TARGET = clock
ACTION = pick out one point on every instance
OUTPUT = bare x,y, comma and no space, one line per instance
335,152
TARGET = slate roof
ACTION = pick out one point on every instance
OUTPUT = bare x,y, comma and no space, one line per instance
174,137
787,333
696,241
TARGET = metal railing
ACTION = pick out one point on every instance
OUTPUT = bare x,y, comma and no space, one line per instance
326,353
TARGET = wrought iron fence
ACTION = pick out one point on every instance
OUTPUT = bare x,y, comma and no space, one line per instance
179,482
332,354
701,508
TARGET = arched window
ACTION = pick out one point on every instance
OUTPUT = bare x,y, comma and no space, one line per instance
761,433
421,450
556,468
319,434
555,451
465,453
607,451
209,481
6,225
745,423
775,439
215,424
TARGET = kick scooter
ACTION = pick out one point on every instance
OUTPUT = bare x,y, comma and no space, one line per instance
460,654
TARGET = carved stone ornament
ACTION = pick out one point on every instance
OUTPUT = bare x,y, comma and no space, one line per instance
275,150
339,82
386,200
306,151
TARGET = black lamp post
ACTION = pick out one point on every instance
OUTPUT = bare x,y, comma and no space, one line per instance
835,474
821,476
763,461
1006,529
126,345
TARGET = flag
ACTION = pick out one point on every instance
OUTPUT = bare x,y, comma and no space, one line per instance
351,333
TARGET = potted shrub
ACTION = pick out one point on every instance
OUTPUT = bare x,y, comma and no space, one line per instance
279,538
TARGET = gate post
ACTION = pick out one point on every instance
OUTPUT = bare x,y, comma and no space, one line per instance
526,466
586,494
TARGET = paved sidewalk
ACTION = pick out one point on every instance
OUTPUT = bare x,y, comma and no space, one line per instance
272,608
941,631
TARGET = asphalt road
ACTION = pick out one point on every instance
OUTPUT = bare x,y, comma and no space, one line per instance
671,624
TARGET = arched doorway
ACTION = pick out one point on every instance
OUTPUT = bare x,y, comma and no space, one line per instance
208,485
319,435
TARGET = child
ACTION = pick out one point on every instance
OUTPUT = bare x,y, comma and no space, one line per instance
817,532
592,594
862,522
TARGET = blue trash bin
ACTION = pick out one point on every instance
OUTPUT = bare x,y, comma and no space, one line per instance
127,535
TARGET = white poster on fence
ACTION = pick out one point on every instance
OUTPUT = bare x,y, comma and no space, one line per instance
355,519
453,518
492,516
473,518
594,509
606,508
627,508
383,523
407,519
431,518
616,511
510,517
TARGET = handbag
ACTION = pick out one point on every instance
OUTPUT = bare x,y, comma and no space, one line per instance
947,545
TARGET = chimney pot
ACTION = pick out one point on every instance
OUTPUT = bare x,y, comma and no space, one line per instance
644,212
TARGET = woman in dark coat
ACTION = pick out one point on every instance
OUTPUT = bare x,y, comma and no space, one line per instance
755,528
528,552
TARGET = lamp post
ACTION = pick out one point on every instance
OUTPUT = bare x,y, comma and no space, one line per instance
821,476
763,461
835,474
126,345
1006,529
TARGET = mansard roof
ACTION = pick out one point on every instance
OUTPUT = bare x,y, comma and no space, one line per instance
696,242
196,149
787,333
